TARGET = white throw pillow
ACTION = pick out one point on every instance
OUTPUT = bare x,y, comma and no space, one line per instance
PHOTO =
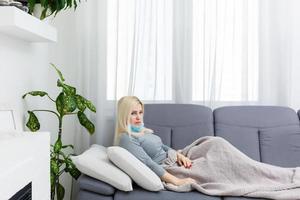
95,163
137,170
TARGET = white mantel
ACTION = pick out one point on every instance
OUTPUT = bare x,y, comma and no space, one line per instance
16,23
25,158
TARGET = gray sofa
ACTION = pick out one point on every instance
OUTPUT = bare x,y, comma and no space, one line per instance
269,134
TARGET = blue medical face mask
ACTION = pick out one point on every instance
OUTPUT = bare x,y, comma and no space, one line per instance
136,129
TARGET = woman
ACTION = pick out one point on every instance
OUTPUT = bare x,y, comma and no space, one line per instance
218,167
138,140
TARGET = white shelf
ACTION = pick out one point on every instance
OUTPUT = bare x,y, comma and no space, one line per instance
16,23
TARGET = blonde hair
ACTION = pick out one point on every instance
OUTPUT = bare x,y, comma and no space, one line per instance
125,105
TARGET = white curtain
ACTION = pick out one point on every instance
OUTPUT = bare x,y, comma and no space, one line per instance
90,42
225,51
211,52
279,49
139,49
184,51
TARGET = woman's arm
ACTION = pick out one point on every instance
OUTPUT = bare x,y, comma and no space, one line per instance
134,148
169,178
166,148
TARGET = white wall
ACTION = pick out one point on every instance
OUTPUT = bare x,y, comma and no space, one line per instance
25,67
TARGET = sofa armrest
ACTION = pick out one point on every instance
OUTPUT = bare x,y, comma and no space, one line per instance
90,184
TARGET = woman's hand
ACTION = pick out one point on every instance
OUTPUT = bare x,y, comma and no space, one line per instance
182,160
169,178
183,181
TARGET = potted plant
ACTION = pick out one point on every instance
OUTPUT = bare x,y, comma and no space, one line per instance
50,7
68,102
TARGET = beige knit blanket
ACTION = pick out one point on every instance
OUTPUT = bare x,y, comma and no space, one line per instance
222,170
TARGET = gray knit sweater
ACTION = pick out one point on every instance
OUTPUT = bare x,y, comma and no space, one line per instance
148,148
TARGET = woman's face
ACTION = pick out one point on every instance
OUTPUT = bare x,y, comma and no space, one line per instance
136,115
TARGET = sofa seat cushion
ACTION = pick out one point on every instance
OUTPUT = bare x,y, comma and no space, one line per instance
93,185
280,146
241,198
86,195
139,193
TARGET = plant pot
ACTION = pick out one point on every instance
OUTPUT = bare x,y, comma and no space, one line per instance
37,11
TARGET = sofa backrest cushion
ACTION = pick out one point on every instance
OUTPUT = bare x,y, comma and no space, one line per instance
179,124
270,134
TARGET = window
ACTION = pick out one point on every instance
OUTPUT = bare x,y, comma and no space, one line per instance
225,50
139,49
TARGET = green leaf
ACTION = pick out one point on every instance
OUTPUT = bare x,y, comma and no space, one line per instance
52,6
54,167
67,89
65,104
31,4
75,4
35,93
52,181
60,191
43,14
44,7
61,4
60,103
75,173
71,169
69,104
65,146
90,105
33,123
58,72
69,3
57,146
63,155
84,121
80,101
